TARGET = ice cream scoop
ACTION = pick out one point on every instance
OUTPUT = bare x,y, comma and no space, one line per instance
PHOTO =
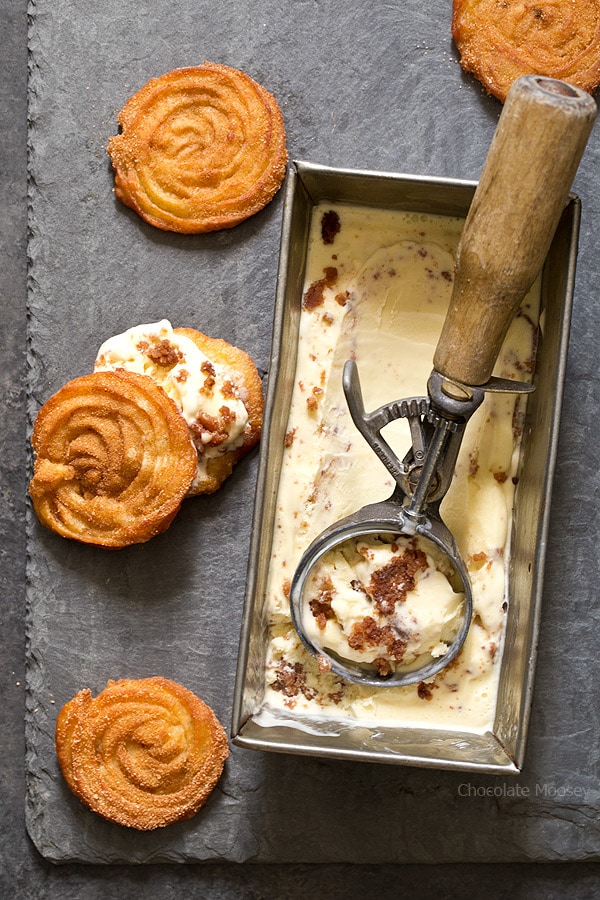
522,192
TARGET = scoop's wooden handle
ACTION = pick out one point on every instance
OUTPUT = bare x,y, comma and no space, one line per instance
524,187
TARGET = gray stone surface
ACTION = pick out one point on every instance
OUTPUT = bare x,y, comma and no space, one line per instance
173,607
423,136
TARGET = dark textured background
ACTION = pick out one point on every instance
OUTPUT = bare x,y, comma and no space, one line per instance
563,748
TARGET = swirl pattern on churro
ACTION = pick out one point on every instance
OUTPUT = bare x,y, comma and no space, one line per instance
500,41
114,459
144,753
201,148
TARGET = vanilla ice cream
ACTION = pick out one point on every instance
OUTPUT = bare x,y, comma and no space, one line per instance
383,600
202,388
377,286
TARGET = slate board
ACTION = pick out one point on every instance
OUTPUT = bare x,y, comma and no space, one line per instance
375,86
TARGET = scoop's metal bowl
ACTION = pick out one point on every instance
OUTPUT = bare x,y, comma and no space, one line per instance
380,518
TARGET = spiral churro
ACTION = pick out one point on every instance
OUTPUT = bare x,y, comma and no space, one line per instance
201,148
144,753
114,460
500,40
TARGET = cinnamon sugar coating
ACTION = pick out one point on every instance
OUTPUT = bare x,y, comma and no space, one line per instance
144,753
201,148
114,460
500,40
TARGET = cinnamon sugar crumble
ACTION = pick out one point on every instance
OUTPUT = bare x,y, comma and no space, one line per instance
473,464
208,370
164,354
336,697
479,557
320,606
208,429
390,584
330,226
227,415
425,690
323,664
314,295
383,666
312,402
230,390
290,680
368,633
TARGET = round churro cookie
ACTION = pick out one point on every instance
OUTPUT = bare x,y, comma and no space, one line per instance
500,40
201,148
114,460
144,753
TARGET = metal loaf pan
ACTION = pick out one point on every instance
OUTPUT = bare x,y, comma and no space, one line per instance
502,749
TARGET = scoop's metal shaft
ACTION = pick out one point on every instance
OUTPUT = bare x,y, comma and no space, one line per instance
520,197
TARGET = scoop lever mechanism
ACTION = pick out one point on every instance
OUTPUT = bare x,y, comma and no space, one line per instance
437,424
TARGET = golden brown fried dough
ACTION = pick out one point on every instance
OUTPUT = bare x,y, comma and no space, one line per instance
144,753
246,384
500,40
201,148
114,460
